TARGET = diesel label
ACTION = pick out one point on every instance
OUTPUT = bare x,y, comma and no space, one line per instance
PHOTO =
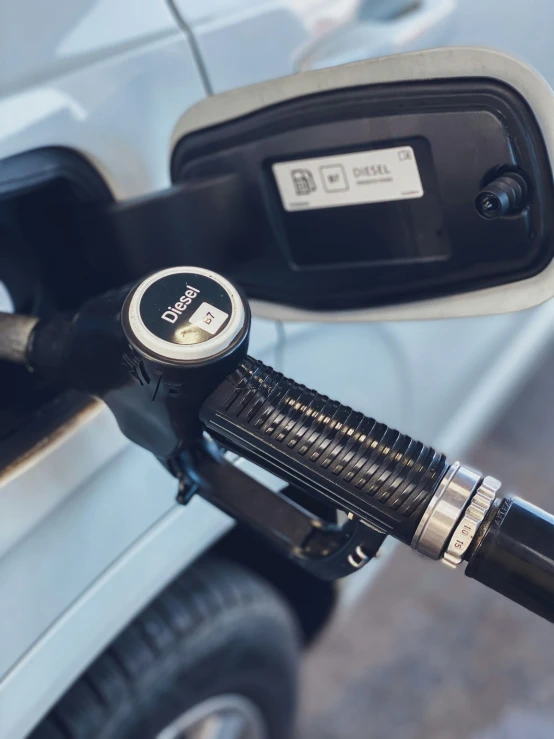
173,313
372,170
375,176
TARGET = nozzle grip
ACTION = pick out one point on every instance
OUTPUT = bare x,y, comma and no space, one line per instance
325,448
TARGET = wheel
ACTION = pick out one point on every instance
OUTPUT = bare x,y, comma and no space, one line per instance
216,654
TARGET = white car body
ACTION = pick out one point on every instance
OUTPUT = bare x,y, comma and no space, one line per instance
89,529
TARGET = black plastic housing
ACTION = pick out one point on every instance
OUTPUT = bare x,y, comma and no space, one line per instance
50,202
515,556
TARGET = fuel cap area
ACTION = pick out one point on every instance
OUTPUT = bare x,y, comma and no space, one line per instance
184,313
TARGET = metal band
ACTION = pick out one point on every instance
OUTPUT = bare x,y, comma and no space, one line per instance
444,510
358,558
16,332
471,520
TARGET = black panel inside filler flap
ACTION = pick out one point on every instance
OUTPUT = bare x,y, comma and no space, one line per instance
376,233
463,133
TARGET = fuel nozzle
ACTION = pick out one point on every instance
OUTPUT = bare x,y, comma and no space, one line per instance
186,328
152,352
169,357
186,317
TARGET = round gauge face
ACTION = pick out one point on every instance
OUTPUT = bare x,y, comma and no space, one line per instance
186,308
185,314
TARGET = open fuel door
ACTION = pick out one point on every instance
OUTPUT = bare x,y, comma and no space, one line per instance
412,186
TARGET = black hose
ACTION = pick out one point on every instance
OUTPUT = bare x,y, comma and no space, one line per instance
515,556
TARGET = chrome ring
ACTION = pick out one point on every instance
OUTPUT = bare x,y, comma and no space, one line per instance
472,518
444,510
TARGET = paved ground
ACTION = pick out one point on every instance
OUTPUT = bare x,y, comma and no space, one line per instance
430,654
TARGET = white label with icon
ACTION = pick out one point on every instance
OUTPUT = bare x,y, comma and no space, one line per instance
208,317
375,176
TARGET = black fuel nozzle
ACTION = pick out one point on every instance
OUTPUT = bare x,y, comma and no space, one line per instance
169,357
186,329
152,352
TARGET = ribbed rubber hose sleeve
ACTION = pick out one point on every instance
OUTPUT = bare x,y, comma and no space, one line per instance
325,448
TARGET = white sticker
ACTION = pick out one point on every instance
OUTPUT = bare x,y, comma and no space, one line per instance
349,179
208,317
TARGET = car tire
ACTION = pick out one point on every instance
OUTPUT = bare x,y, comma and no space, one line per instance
219,644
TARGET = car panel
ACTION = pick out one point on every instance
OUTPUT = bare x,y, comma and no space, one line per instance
82,32
244,50
33,486
410,26
118,112
80,538
54,661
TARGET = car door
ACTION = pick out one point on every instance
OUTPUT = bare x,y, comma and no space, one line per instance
240,42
